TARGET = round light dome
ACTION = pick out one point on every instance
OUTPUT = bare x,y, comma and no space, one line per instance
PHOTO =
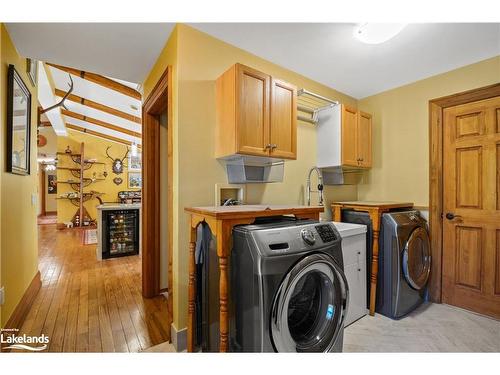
376,33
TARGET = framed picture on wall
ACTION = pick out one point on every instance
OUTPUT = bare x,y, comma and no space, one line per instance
51,184
32,70
135,162
134,180
18,124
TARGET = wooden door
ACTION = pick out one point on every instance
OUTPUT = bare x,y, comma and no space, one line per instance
364,139
471,195
349,139
252,111
283,133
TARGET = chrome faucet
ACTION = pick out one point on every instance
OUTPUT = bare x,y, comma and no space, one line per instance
320,186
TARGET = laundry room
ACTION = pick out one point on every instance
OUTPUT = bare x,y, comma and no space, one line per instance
239,187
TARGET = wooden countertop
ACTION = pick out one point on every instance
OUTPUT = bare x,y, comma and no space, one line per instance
246,211
380,204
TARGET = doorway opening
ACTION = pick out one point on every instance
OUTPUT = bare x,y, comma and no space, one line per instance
92,257
157,140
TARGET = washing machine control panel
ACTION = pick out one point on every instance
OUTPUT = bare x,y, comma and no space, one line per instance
326,233
308,236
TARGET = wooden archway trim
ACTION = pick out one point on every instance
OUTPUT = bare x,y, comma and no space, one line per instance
159,100
436,107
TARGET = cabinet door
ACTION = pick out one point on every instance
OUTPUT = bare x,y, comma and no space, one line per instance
349,139
252,111
364,137
283,120
356,280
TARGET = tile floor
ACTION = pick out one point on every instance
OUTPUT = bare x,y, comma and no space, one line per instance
430,328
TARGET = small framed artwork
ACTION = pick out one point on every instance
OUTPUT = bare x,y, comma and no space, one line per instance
52,184
134,180
18,124
32,70
135,162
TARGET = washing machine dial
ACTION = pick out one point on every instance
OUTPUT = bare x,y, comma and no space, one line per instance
308,236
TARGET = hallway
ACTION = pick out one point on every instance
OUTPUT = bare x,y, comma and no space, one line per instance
86,305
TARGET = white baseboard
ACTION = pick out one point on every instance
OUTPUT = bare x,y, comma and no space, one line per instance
178,338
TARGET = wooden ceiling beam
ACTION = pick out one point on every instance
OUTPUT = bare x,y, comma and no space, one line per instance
103,124
98,134
101,80
99,106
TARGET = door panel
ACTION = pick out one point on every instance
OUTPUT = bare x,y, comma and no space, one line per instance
252,108
349,139
470,124
497,264
364,137
283,120
498,177
469,177
469,247
471,162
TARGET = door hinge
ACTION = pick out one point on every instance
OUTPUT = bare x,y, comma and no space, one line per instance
2,295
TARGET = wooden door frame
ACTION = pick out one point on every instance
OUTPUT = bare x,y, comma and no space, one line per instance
159,100
436,108
43,212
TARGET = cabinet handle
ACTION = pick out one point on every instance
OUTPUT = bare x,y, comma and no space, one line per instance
359,252
359,269
267,146
273,146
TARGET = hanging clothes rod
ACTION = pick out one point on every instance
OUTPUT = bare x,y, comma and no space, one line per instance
306,92
311,103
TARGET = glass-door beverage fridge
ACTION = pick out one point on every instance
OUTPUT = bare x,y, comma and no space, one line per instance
120,233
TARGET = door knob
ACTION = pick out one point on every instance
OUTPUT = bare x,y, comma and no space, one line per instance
452,216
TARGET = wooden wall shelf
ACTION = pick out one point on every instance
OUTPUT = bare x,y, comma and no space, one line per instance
78,172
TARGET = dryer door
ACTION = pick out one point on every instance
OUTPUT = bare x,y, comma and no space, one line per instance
417,259
310,306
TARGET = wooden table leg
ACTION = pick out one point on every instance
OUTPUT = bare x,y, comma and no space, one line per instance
337,213
223,298
375,218
224,243
192,291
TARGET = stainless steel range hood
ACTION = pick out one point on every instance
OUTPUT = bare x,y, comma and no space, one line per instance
243,169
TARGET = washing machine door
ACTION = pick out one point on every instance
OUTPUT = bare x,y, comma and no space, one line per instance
417,258
310,306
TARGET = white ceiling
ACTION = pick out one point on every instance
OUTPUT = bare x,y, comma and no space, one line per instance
125,51
329,54
325,52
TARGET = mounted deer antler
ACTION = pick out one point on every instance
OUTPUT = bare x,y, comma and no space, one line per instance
117,163
61,103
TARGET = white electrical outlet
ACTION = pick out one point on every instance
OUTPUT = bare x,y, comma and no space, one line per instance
33,199
2,295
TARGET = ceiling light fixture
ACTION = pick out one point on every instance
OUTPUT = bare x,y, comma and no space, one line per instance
376,33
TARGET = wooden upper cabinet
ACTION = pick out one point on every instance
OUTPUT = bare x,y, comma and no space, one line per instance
255,114
283,120
356,138
349,124
252,111
364,139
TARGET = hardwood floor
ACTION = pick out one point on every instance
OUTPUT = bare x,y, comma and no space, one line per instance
86,305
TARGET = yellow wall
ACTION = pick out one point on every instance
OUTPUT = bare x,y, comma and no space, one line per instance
95,148
200,60
19,255
400,132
